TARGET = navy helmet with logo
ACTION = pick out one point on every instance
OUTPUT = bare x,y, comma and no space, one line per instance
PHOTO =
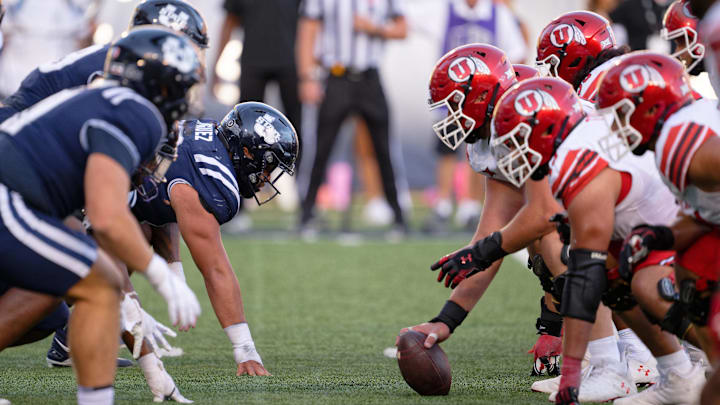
159,64
263,145
174,14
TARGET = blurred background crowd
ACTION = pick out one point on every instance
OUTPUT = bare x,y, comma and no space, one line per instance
351,75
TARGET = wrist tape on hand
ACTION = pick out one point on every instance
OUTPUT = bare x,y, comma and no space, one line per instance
243,345
451,315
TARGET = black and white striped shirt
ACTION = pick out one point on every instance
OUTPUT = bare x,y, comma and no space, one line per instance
339,43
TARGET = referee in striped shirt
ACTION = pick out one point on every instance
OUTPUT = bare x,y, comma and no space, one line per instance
350,35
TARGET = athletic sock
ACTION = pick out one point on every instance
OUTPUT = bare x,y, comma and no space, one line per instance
95,396
630,344
678,362
604,351
570,373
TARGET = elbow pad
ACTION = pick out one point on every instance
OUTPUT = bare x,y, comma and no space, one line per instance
585,283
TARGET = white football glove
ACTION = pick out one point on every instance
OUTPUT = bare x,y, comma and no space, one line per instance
183,306
143,326
160,382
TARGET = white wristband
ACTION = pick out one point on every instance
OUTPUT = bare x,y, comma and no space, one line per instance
156,271
177,268
243,345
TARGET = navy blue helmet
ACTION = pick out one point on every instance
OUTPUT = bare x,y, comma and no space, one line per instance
159,64
263,145
174,14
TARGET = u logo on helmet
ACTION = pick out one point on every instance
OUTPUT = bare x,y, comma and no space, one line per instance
528,102
564,34
461,68
636,78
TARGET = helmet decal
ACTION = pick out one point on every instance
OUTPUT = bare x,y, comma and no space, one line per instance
687,11
529,102
171,18
564,34
463,67
264,127
177,55
636,78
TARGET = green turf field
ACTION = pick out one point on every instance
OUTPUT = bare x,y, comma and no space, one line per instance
321,315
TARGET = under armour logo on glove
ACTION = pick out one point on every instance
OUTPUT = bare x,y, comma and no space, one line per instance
456,267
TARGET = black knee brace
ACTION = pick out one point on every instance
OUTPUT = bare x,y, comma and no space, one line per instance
558,287
697,303
549,323
585,282
676,321
619,297
540,269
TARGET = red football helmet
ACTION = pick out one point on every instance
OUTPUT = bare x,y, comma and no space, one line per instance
637,95
680,23
570,41
530,122
523,72
467,82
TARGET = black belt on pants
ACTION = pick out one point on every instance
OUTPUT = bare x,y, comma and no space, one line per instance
353,75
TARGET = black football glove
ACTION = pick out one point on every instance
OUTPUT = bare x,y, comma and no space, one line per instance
458,266
638,244
562,226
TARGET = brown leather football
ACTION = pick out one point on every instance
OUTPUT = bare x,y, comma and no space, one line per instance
427,371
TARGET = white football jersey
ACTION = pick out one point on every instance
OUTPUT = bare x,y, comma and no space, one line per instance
681,136
579,159
481,159
589,86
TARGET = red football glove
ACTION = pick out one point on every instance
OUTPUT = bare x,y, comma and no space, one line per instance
546,353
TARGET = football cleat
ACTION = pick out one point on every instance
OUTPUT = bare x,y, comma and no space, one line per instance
643,373
546,353
670,389
603,384
551,385
59,353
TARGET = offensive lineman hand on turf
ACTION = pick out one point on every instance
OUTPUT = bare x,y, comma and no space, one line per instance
436,332
183,306
638,244
251,367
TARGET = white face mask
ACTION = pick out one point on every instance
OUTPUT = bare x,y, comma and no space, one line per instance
622,137
454,127
515,159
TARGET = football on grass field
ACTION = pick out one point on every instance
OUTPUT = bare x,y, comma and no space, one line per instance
427,371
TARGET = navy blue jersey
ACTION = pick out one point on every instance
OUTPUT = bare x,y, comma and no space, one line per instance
75,69
54,138
204,164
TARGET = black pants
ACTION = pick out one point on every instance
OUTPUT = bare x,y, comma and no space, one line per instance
253,81
361,94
